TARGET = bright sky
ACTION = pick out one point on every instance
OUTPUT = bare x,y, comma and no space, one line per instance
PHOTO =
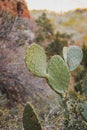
57,5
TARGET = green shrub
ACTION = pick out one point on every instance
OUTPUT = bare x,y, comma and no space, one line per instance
57,44
84,61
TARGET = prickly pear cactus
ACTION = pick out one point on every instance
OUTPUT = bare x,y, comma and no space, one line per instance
85,86
84,112
36,60
30,119
65,49
58,74
74,57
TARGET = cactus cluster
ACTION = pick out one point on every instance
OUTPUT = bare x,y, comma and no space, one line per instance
57,74
56,71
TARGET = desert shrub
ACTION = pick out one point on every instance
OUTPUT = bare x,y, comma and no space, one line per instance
56,46
45,29
84,61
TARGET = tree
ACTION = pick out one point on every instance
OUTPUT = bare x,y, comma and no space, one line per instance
45,28
60,40
46,34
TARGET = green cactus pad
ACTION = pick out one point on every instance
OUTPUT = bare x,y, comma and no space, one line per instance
36,60
30,119
74,57
85,86
65,49
84,113
58,74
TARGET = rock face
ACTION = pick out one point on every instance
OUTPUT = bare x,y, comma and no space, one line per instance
11,6
16,34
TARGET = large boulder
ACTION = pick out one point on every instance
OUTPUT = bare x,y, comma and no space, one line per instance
16,34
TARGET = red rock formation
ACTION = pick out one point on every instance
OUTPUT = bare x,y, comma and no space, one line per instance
11,5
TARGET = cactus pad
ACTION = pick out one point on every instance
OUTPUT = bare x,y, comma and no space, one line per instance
30,119
58,74
36,60
65,49
84,113
74,57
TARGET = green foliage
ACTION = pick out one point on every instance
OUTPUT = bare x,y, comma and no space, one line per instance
58,74
30,119
36,60
74,57
45,28
56,46
85,86
46,36
73,111
40,36
45,23
79,75
84,61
